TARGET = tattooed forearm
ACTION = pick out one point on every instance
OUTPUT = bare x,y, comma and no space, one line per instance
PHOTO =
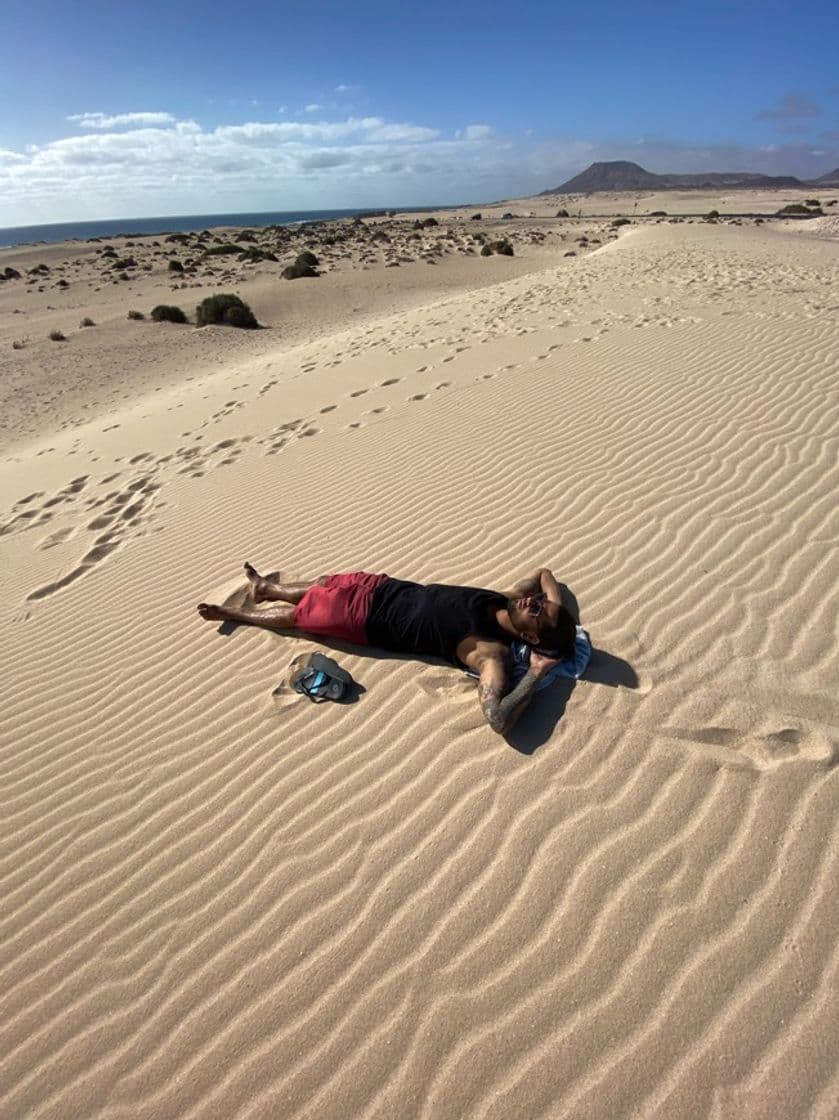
502,713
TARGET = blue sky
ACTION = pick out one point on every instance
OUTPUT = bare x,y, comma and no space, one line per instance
110,109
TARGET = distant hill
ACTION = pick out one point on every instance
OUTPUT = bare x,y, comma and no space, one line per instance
831,179
621,175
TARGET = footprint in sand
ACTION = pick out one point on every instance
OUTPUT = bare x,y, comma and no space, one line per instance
329,408
418,397
358,393
57,537
764,751
391,381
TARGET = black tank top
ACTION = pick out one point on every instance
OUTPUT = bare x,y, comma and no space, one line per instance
431,619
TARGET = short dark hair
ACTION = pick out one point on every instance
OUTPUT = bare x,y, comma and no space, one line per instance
559,640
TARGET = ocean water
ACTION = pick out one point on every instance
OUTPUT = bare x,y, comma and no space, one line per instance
184,223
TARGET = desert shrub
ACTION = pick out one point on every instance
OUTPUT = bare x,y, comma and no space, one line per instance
164,313
297,271
797,208
503,247
506,217
226,310
562,213
222,250
124,262
658,214
812,202
62,284
136,315
179,238
11,273
712,215
57,336
19,343
175,266
254,255
307,258
621,222
476,218
87,322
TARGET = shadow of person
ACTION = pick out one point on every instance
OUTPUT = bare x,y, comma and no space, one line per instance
540,720
607,668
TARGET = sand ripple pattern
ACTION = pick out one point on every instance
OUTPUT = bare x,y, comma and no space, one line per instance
217,907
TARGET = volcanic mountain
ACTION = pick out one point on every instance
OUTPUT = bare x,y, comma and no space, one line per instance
621,175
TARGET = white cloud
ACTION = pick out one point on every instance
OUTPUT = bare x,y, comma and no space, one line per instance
120,120
313,108
308,164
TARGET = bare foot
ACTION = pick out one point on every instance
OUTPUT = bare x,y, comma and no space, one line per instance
258,583
212,613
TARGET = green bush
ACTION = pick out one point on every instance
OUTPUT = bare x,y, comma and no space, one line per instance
226,310
307,258
175,266
797,208
222,250
504,248
254,255
297,271
164,313
136,315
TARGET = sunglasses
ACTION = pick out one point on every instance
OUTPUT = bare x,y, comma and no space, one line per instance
535,609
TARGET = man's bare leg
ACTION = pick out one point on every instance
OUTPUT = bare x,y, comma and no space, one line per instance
268,590
277,618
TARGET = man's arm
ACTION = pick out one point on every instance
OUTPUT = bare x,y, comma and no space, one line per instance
542,580
501,711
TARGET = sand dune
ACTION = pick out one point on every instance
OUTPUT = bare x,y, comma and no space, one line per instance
215,905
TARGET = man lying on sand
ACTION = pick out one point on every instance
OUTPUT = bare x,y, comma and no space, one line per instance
468,626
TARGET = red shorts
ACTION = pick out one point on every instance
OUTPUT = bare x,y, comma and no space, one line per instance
338,608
